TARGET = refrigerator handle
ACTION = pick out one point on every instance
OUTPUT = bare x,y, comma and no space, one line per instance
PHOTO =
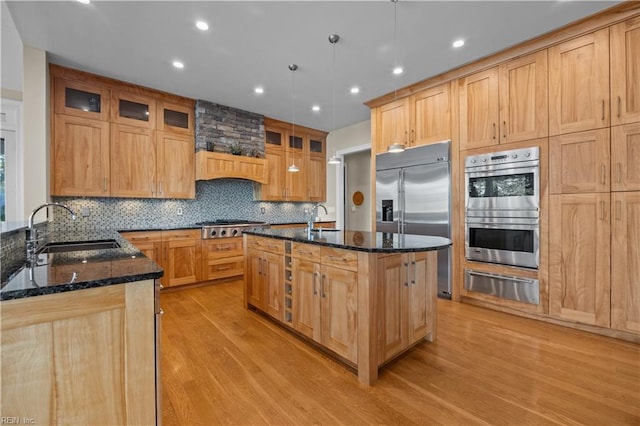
401,201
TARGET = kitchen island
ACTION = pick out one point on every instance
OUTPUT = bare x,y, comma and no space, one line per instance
364,297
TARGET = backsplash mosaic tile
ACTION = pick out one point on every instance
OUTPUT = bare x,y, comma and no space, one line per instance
215,199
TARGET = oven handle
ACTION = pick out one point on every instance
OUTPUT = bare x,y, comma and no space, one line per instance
509,277
488,171
503,225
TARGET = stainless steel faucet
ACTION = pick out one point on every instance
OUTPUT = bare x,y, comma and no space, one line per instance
313,213
32,238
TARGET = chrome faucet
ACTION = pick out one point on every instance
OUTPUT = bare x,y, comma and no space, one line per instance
32,238
313,213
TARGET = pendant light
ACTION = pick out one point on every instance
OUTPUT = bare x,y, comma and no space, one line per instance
396,146
293,67
333,39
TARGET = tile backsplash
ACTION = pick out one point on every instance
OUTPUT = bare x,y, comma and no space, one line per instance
215,199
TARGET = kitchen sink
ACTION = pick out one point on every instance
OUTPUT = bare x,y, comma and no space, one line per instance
79,246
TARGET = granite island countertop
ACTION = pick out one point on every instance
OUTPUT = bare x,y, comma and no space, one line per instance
76,270
374,242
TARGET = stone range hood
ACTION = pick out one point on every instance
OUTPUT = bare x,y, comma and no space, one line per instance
218,127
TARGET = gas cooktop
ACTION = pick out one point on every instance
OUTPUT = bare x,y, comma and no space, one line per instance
226,228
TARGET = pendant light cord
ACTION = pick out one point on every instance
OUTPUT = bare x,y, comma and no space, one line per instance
395,50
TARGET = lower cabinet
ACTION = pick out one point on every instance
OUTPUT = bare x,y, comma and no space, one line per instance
324,305
406,308
266,275
222,258
80,357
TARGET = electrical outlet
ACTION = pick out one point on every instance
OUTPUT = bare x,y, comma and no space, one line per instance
179,211
85,212
261,210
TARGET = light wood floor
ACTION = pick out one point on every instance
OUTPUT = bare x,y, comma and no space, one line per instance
222,364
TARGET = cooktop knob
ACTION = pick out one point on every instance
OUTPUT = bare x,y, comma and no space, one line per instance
213,232
527,154
515,155
235,232
223,232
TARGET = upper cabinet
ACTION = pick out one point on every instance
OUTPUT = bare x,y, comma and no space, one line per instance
504,104
105,144
420,119
579,84
307,150
625,72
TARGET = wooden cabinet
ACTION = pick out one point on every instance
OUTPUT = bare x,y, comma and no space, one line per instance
222,258
420,119
504,104
625,261
625,157
175,166
215,165
579,252
80,157
266,274
580,162
325,297
182,252
81,357
133,162
625,72
405,303
307,150
579,84
104,142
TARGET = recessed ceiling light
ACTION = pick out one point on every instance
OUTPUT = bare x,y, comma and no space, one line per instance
398,70
178,64
355,90
259,90
84,1
201,25
458,43
315,108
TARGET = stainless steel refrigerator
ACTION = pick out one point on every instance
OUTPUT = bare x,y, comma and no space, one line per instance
413,196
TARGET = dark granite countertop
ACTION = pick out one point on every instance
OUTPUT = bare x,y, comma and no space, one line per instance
69,271
376,242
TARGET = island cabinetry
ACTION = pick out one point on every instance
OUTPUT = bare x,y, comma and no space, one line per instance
265,268
81,357
420,119
222,258
506,103
407,310
324,284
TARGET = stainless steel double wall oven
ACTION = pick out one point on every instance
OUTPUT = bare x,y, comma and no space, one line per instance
502,219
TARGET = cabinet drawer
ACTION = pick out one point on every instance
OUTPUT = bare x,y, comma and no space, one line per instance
267,244
185,234
223,268
142,237
339,258
305,251
223,248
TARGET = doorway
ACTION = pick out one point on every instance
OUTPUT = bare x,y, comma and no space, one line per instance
353,189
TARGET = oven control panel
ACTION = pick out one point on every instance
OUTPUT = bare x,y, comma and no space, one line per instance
502,157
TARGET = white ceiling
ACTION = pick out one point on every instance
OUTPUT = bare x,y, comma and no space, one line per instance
251,43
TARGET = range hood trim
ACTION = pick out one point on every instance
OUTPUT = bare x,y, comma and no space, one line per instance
217,165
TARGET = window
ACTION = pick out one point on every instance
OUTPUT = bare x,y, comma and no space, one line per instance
11,196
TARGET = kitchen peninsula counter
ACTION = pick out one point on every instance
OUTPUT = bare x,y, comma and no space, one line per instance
364,297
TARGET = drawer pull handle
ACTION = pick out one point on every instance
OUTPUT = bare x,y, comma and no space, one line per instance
504,131
413,276
619,106
406,281
603,110
324,278
315,279
223,268
494,131
344,259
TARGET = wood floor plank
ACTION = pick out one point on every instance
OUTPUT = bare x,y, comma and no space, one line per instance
225,365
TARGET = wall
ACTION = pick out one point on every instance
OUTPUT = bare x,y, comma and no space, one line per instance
358,178
215,199
11,63
347,137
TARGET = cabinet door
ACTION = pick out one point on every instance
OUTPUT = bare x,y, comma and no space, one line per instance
430,116
175,118
479,109
625,262
80,154
317,178
339,300
625,158
133,162
524,108
297,181
273,271
579,286
276,188
393,276
133,109
255,268
183,261
393,124
176,166
579,84
81,100
579,162
625,72
420,302
306,298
